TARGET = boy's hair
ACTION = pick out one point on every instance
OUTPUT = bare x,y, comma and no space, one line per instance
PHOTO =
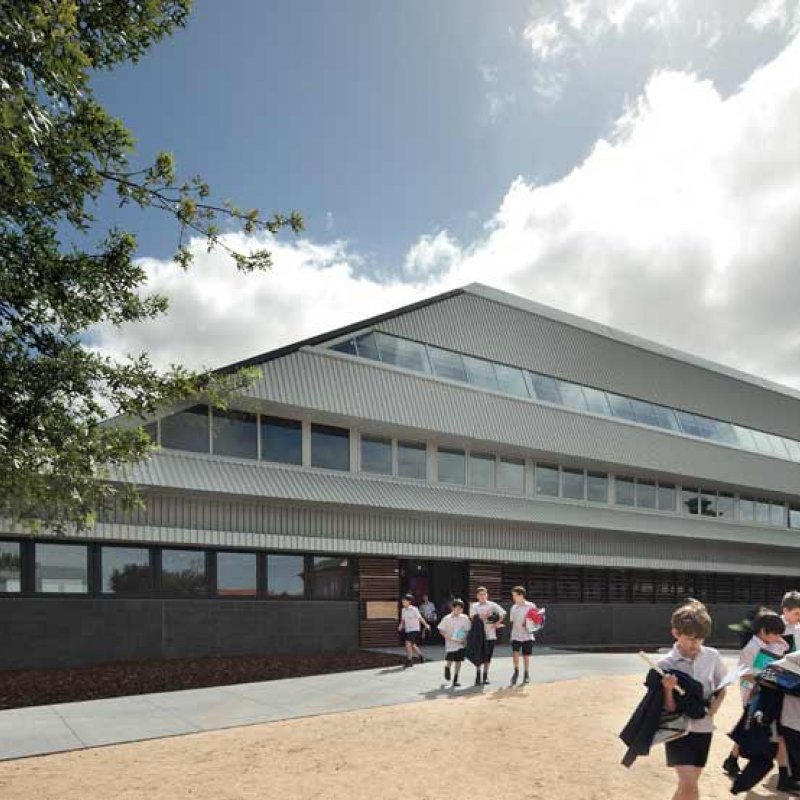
519,590
791,600
409,597
481,589
692,619
457,601
768,621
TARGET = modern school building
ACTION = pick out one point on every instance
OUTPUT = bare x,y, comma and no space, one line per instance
472,438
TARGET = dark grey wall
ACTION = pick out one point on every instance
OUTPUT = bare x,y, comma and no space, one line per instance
636,625
56,632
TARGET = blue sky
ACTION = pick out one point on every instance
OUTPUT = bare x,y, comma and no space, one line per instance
427,144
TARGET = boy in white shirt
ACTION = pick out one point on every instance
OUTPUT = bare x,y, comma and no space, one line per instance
410,622
521,637
691,625
491,615
454,629
790,713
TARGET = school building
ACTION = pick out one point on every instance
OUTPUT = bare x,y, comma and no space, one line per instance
472,438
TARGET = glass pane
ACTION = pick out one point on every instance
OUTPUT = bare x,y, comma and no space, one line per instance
330,578
546,480
511,474
745,437
285,576
126,570
365,344
186,430
690,501
644,412
762,512
777,446
62,568
347,346
597,487
10,567
596,401
747,509
376,455
281,440
481,470
793,447
625,491
235,434
447,364
708,504
722,432
572,483
665,418
402,353
572,395
236,574
411,460
545,388
451,464
183,572
621,407
480,372
689,424
330,447
762,442
794,517
778,515
512,381
646,494
666,497
725,505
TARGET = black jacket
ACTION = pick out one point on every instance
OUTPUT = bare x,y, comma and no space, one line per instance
638,733
475,649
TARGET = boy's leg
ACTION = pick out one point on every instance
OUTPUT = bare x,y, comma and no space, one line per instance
787,780
688,778
515,659
447,664
409,654
526,659
419,653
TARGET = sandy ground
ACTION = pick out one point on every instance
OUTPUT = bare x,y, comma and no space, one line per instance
543,742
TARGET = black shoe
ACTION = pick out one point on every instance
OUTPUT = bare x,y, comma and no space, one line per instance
514,677
456,683
526,678
478,681
447,673
485,679
421,658
408,663
787,784
730,766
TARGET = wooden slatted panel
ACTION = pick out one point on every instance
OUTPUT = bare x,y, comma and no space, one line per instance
568,585
741,588
542,585
664,587
513,575
595,586
488,575
618,586
758,590
378,579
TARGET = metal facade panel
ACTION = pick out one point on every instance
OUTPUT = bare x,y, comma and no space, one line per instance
493,330
371,395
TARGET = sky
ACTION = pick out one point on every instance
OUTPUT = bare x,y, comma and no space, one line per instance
636,162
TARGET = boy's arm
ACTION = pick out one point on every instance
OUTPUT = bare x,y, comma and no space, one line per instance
669,682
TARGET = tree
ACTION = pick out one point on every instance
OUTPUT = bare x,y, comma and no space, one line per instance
59,151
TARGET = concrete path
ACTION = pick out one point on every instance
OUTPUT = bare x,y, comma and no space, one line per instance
72,726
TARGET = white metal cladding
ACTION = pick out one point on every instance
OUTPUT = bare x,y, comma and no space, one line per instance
364,391
237,479
189,519
496,331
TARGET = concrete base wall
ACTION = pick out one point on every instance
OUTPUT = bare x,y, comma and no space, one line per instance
628,624
54,632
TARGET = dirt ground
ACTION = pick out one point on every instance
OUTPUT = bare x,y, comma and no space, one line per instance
543,742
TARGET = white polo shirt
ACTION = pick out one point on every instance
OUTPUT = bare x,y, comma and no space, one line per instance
517,615
455,629
707,669
483,610
748,655
792,630
411,618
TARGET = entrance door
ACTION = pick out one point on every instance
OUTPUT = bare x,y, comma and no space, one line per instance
439,580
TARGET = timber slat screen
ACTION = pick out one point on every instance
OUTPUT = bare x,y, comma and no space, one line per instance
488,575
379,590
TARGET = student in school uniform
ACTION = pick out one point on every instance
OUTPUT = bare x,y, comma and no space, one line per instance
491,615
688,755
521,637
410,623
789,727
454,629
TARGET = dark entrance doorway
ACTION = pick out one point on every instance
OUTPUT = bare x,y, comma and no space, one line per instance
439,580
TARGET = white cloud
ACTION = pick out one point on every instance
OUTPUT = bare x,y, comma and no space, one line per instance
767,13
682,226
545,38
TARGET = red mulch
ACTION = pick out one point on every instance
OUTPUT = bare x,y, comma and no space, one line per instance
35,687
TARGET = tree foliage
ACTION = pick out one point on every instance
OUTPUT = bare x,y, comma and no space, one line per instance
59,151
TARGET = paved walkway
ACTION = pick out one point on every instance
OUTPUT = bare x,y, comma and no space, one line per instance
72,726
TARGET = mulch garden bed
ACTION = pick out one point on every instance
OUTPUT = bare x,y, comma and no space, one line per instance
35,687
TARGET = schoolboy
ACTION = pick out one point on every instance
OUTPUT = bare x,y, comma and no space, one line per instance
790,613
454,629
521,637
767,629
789,728
691,625
492,616
410,622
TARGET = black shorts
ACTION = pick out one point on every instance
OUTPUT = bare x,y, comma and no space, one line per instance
689,751
792,739
454,655
525,647
411,636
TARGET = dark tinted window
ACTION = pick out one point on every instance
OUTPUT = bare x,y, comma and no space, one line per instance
330,578
330,447
511,474
376,455
10,567
183,572
281,440
597,487
62,568
367,348
646,494
451,464
546,480
285,576
186,430
412,460
235,433
347,346
236,574
126,570
625,489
